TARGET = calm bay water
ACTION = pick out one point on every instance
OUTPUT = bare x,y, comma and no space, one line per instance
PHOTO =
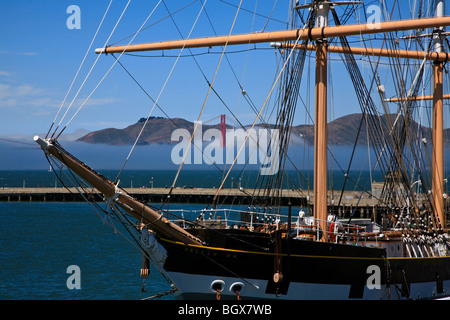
39,241
187,178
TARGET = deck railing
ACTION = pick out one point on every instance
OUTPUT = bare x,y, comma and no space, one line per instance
301,226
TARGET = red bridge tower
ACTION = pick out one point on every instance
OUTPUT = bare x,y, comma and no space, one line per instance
223,129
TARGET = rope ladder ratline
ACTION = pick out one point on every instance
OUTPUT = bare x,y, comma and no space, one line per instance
261,110
209,83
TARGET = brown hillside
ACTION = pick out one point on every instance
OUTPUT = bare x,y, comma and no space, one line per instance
342,131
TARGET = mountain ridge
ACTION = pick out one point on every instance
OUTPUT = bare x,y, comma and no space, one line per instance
341,131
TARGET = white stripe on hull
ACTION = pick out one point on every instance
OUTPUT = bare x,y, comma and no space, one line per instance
194,286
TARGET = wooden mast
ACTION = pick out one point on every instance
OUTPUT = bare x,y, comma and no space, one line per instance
438,146
437,131
320,136
418,98
286,35
377,52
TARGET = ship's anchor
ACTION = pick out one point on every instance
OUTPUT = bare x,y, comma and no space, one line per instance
145,271
217,285
236,288
218,294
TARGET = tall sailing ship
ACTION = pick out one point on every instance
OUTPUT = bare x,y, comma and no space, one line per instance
271,251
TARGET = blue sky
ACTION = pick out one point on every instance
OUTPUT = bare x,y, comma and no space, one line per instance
40,55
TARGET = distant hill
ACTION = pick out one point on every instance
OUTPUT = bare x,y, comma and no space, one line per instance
342,131
158,130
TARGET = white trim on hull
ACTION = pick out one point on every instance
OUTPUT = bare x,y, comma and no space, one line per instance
194,286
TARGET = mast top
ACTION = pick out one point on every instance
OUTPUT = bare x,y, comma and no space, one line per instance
331,3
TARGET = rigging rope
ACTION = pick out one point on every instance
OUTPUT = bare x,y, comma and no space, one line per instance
257,117
286,101
209,83
160,93
162,110
112,211
151,25
151,13
79,68
87,76
407,158
206,98
378,137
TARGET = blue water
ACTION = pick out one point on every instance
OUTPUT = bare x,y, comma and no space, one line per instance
39,241
187,178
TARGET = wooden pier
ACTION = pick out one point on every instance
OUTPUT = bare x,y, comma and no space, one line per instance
297,198
352,203
178,195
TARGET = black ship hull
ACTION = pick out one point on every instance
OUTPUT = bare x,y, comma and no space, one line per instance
242,264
